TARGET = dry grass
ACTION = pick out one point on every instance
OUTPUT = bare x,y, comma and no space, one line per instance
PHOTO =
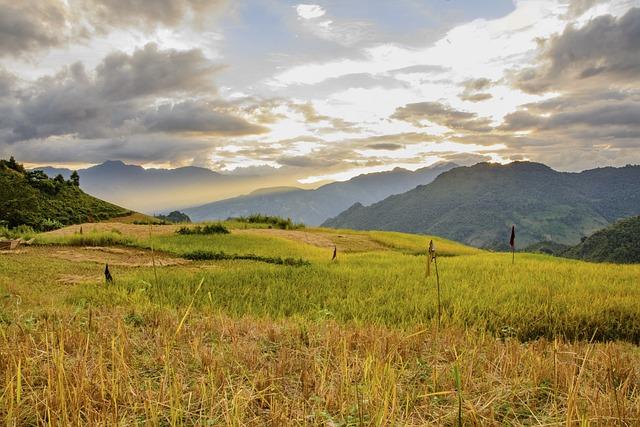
124,367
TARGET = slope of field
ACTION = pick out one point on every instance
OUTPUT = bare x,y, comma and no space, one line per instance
477,205
619,243
347,342
40,202
312,207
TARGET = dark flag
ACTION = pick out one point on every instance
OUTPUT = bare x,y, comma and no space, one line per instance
335,253
107,274
512,240
512,243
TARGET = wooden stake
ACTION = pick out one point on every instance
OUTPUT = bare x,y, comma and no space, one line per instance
435,262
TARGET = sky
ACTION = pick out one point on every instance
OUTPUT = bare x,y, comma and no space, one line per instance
322,90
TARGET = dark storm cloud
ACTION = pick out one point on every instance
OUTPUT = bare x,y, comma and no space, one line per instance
7,81
151,71
441,114
610,110
126,95
605,51
197,117
29,26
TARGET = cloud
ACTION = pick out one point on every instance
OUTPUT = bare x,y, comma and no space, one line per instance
125,95
441,114
343,32
605,51
29,26
310,11
307,161
7,81
197,117
473,90
145,13
578,7
151,71
387,146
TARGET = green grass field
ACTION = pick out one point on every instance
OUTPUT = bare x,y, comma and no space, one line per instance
546,341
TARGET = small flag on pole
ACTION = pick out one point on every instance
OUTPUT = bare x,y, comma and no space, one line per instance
512,243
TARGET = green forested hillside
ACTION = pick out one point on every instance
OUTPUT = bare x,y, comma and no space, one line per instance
32,198
477,205
618,243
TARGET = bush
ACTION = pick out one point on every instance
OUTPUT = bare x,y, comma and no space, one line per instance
50,224
276,221
218,256
174,217
207,229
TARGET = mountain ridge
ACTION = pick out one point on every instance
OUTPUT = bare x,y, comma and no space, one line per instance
478,204
312,207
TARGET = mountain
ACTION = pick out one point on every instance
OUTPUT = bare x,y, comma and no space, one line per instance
32,198
478,204
312,207
619,243
152,190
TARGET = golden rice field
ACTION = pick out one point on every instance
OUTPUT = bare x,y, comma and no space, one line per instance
262,328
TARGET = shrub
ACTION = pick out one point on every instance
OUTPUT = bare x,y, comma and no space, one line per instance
216,228
275,221
50,224
218,256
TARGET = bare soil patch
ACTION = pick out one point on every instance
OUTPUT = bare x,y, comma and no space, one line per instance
106,255
344,242
133,230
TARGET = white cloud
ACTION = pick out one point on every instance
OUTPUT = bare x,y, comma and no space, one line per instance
310,11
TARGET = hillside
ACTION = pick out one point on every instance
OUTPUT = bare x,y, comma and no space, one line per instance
34,199
619,243
312,207
478,204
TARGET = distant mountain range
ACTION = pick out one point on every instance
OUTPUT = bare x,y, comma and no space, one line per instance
153,190
478,204
312,207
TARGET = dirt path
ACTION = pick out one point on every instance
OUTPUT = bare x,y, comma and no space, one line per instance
139,231
103,255
344,242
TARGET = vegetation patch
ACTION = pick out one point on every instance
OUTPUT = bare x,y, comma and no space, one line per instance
216,228
217,256
93,238
272,221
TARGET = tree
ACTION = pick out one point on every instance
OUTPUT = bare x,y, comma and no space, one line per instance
75,178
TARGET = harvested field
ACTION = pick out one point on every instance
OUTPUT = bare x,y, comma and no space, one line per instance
113,256
344,242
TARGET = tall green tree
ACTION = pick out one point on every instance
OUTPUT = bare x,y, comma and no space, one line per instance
75,178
